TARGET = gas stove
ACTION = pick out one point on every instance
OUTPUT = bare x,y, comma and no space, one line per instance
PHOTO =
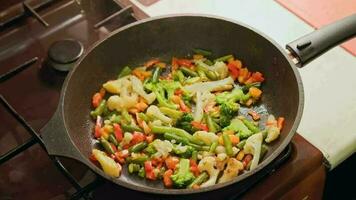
40,40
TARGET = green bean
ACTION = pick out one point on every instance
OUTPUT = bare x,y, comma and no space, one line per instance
176,131
125,71
251,126
241,144
202,75
137,160
144,117
208,62
195,155
188,72
210,123
224,58
199,180
180,76
142,172
192,80
199,147
127,117
150,150
138,147
115,118
107,146
213,147
113,140
99,110
202,52
156,74
133,168
171,136
212,75
171,112
130,128
227,144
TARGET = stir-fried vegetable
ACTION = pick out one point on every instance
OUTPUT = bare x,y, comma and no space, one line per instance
180,123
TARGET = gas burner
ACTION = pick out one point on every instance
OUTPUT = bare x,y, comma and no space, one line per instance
62,54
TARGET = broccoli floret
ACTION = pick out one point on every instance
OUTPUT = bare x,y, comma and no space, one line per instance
233,96
183,177
238,126
163,90
229,108
184,151
170,87
228,105
185,123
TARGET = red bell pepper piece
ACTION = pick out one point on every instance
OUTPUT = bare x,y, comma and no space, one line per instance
200,126
149,170
137,137
150,63
98,125
247,159
194,167
118,132
167,178
255,77
234,71
280,122
185,62
96,99
174,64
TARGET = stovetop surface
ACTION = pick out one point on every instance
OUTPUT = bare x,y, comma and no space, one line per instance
34,94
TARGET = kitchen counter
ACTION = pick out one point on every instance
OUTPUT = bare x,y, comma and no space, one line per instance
329,82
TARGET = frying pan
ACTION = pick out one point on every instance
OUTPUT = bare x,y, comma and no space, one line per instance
69,131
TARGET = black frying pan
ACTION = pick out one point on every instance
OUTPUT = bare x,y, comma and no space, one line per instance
69,132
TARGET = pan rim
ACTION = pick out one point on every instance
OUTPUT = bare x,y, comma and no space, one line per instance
165,191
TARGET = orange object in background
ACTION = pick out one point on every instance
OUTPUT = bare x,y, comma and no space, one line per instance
318,13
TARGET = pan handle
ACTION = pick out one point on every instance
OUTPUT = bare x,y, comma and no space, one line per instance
310,46
57,141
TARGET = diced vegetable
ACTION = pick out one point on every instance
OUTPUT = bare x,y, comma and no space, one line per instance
124,72
181,123
109,166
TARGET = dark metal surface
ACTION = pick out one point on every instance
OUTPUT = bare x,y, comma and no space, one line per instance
35,14
72,127
65,51
310,46
17,69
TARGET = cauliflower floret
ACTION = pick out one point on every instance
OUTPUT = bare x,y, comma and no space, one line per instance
110,167
235,150
272,134
207,137
272,129
232,170
154,112
253,146
114,86
118,103
126,98
221,68
163,147
138,88
220,149
209,86
221,160
203,98
208,164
